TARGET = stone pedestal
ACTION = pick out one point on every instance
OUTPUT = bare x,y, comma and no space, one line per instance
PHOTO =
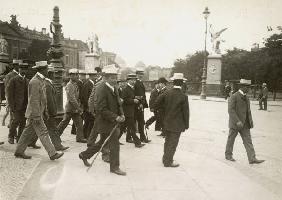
214,75
91,61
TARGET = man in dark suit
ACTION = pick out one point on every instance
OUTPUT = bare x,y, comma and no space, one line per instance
139,90
129,104
85,94
108,114
17,96
263,97
240,120
176,117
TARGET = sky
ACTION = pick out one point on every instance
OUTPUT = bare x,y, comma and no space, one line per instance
153,31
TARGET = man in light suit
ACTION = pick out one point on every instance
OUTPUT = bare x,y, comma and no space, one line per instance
240,120
176,117
73,108
35,113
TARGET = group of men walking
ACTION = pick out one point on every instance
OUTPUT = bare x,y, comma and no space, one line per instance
100,106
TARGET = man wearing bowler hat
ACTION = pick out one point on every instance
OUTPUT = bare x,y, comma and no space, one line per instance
35,113
176,117
73,109
109,113
17,96
240,120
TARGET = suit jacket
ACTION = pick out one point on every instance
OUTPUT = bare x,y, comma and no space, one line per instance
37,101
153,97
140,91
8,77
17,93
176,110
85,94
73,103
128,105
80,85
265,93
239,110
91,99
51,98
107,109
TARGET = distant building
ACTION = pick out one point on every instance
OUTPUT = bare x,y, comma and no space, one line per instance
107,58
155,72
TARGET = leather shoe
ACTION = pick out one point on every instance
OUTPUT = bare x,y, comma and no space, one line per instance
62,148
256,161
11,141
230,159
146,141
56,156
34,146
85,162
1,143
173,164
139,145
130,141
22,155
81,141
118,172
107,160
121,143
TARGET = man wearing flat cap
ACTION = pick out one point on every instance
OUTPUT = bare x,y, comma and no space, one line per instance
176,117
109,113
35,113
73,108
139,90
240,121
17,97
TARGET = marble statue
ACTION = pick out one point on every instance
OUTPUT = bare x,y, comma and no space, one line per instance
216,39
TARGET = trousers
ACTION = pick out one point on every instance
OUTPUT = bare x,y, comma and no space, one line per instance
53,132
114,147
139,117
88,123
17,121
77,121
170,145
35,128
131,130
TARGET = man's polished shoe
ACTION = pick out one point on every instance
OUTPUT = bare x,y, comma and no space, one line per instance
173,164
1,143
256,161
146,141
11,141
230,159
62,148
85,162
121,143
139,145
22,155
130,141
107,160
56,156
34,146
118,172
82,140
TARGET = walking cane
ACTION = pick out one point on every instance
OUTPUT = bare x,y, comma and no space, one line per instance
111,133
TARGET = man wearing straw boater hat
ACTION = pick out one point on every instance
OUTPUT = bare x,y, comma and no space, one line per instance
240,120
109,114
73,109
176,117
35,113
17,97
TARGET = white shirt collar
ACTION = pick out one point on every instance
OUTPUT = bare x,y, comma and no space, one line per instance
111,87
91,81
49,80
130,85
21,75
242,92
15,71
40,75
178,87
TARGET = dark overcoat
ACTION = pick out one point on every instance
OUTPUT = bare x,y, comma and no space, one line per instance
51,98
153,98
139,90
128,105
176,110
107,109
85,94
239,110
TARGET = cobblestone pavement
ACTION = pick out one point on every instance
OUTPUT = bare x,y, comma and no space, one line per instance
203,173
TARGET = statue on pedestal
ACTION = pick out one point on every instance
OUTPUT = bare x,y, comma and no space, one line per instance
216,40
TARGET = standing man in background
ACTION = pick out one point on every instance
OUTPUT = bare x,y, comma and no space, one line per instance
263,98
139,91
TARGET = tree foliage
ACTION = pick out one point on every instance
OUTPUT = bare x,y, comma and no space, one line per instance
38,50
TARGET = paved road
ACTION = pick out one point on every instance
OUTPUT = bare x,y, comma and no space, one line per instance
203,173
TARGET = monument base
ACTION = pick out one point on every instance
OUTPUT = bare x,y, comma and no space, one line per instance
214,90
91,61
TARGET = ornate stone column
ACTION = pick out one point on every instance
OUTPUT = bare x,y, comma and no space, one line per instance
56,53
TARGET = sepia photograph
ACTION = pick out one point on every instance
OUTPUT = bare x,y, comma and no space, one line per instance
140,100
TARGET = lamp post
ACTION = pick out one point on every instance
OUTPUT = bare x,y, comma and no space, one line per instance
204,76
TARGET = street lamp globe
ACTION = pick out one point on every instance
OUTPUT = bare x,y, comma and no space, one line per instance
206,12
